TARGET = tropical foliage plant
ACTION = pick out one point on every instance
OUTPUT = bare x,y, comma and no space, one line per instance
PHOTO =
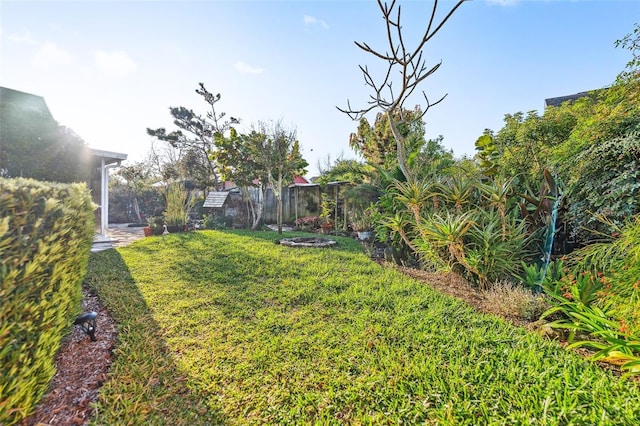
596,326
495,247
549,276
601,297
617,260
459,221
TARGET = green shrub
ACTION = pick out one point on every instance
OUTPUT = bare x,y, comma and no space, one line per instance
218,222
46,232
607,186
157,224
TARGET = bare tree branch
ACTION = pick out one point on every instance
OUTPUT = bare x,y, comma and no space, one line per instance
412,66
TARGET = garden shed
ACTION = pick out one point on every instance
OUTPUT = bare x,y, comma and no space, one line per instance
226,204
335,192
299,199
216,200
304,200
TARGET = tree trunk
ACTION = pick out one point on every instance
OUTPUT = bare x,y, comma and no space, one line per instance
401,150
212,170
345,215
136,208
279,204
255,207
279,214
276,187
251,211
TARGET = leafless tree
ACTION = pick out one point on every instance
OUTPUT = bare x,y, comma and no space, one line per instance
412,67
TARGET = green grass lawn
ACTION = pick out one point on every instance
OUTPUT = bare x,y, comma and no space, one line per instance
230,328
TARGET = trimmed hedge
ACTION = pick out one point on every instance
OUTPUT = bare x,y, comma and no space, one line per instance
46,231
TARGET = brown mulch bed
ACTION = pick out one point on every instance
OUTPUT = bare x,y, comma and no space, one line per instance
449,283
454,285
82,366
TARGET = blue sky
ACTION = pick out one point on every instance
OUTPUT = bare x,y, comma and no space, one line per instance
110,69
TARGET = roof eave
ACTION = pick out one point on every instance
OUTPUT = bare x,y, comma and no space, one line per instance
109,157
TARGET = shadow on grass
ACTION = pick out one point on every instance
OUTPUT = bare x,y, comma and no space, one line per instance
143,386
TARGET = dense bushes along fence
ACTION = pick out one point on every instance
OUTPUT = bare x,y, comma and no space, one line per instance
46,230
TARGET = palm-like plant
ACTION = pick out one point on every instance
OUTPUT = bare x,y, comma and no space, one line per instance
413,195
447,232
498,194
457,190
398,224
495,247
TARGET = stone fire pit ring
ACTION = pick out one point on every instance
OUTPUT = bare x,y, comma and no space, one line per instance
307,242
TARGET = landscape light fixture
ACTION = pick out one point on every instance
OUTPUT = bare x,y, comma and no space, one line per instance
87,322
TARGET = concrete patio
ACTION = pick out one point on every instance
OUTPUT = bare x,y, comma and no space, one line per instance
117,235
